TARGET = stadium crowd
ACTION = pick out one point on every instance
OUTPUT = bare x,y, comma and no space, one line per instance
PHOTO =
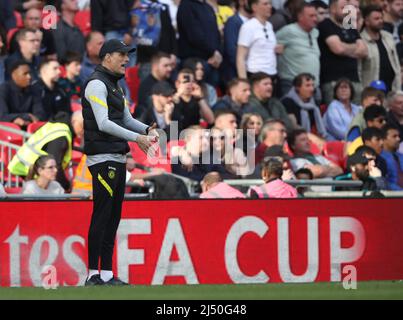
271,89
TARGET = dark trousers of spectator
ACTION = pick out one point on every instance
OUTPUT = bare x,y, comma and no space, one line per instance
108,187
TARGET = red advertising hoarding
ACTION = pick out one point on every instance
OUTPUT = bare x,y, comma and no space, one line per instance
208,241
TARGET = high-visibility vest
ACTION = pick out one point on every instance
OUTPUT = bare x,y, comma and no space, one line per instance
82,182
222,191
275,189
31,150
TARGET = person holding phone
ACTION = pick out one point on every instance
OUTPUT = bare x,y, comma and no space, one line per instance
190,103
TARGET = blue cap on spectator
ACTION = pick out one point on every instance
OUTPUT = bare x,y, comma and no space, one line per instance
379,85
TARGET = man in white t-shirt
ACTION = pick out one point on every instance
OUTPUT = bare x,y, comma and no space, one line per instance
257,45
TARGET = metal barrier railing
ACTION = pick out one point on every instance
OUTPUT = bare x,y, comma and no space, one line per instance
25,135
352,194
315,182
57,197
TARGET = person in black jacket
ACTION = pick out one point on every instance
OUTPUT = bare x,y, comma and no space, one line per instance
199,36
7,18
18,104
53,97
111,18
160,107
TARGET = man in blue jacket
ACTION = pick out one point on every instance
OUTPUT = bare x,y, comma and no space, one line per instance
231,32
199,36
393,158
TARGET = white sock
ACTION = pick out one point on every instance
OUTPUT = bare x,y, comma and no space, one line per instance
91,273
106,275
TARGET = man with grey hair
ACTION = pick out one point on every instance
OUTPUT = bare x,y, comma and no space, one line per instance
273,133
395,114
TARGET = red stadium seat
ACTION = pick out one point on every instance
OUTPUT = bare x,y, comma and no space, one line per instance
158,161
32,127
13,190
133,82
18,18
334,151
82,20
10,136
10,35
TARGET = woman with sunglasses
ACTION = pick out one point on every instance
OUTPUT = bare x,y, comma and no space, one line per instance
41,177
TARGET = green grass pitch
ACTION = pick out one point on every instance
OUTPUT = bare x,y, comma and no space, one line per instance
365,290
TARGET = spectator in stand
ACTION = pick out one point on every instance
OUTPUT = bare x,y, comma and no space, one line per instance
68,37
7,18
160,106
339,46
33,21
111,18
173,11
161,69
23,5
93,44
393,158
395,113
227,154
199,36
3,54
253,122
369,96
29,45
274,187
382,62
399,45
152,32
393,15
231,33
285,16
209,91
301,106
187,161
222,12
359,166
277,152
341,111
322,9
190,103
263,103
54,99
226,120
273,133
41,178
54,138
214,187
237,98
299,143
71,82
375,117
372,148
18,104
301,51
257,44
303,174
